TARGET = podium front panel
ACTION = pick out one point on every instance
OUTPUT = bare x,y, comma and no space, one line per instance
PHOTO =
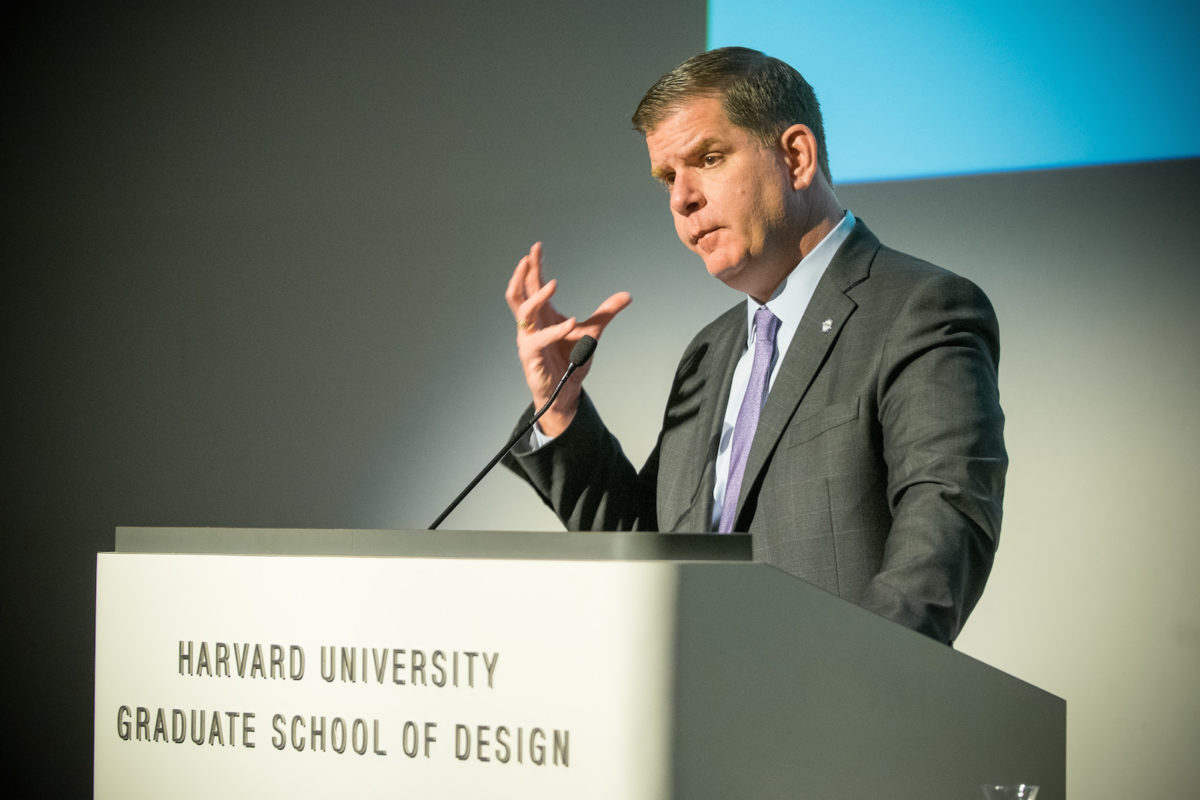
270,676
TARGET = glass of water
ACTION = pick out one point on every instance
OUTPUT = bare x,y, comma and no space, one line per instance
1009,791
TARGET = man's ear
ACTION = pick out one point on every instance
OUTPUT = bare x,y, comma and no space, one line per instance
799,147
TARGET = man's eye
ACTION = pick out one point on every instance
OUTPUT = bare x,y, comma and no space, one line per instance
711,159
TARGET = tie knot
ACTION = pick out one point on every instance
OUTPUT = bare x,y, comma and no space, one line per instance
766,325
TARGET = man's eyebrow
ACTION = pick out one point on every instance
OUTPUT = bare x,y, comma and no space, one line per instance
705,145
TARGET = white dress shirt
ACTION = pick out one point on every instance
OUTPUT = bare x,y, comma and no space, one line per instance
788,303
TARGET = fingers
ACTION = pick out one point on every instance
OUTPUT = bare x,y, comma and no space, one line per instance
536,312
614,304
543,354
545,338
519,287
527,277
604,313
511,293
533,275
528,296
541,338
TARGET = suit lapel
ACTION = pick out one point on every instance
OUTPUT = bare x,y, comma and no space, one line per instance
819,328
697,409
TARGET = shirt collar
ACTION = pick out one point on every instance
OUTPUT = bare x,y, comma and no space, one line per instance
790,299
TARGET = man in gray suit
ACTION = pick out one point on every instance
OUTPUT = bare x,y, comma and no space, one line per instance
846,414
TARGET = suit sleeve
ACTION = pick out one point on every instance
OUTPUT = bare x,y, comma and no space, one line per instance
584,476
943,446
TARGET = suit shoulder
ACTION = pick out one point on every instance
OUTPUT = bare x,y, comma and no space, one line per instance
890,261
898,273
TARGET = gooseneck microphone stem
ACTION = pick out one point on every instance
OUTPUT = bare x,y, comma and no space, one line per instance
579,356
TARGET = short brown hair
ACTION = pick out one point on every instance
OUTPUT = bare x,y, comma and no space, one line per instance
759,93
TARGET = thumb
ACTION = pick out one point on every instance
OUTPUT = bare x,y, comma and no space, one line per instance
605,312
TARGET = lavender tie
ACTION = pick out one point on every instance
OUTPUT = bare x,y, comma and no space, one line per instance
765,326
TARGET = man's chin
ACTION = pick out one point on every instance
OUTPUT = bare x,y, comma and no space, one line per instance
722,270
735,276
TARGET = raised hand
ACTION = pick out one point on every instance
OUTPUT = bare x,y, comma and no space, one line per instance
545,337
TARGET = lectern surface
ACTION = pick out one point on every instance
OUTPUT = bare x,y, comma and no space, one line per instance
436,544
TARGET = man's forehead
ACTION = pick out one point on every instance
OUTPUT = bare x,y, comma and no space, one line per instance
690,124
702,109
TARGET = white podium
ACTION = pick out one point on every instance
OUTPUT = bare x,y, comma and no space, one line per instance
382,664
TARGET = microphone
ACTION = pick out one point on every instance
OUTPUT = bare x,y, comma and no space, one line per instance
581,353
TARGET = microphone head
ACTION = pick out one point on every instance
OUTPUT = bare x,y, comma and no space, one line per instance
582,351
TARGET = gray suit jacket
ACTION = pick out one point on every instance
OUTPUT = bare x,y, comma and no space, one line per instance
877,470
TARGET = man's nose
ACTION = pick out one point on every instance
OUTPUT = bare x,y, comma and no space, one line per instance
686,197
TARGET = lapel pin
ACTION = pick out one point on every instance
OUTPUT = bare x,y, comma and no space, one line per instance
827,326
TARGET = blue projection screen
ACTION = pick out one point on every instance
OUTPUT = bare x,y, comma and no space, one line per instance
919,89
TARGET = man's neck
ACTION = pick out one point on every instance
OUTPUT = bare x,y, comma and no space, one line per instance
826,219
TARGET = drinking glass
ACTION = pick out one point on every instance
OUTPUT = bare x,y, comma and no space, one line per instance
1009,791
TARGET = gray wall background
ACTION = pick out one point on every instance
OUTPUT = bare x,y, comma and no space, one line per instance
253,264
